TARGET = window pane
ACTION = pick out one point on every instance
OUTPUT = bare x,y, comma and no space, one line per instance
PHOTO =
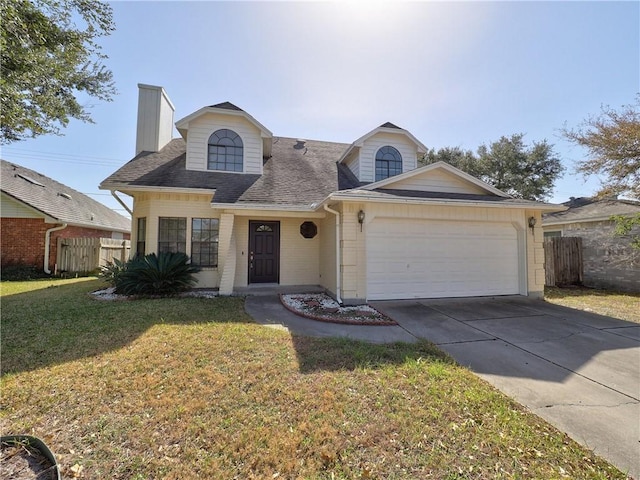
388,162
225,151
204,242
172,234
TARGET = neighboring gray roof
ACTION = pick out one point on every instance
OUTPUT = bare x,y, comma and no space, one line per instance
586,209
57,200
389,125
296,173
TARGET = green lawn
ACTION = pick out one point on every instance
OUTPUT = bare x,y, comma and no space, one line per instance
191,388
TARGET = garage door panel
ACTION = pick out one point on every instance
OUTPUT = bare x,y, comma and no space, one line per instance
429,259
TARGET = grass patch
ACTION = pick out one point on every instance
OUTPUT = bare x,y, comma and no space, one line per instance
625,306
191,388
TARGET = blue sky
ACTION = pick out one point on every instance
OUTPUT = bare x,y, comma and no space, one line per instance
452,73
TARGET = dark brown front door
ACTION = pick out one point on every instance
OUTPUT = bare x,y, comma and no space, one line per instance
264,252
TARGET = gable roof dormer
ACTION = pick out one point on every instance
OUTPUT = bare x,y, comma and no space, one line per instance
226,108
223,137
360,157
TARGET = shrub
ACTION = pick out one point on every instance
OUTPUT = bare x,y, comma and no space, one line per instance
164,274
19,273
112,271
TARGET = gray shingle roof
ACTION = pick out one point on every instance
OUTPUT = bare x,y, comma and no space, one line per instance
295,174
227,106
389,125
586,208
299,173
58,201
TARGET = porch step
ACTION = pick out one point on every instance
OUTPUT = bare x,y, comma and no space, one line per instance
275,289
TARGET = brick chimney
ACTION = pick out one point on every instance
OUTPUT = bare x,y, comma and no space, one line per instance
155,119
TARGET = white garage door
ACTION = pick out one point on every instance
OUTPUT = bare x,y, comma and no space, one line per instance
432,259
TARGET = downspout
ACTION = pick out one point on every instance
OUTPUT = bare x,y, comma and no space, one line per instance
47,245
124,205
337,214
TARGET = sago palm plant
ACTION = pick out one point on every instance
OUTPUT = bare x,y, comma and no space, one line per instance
164,274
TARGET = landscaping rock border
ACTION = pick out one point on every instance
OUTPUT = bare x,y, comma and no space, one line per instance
323,308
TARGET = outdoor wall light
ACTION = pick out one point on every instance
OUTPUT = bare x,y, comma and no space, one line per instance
532,223
361,218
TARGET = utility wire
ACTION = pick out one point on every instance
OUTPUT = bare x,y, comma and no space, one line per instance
62,157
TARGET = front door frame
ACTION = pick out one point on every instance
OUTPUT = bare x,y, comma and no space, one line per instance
274,277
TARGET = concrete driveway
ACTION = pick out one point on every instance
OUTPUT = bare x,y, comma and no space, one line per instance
577,370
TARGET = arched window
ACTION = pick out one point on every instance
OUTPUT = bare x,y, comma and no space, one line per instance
388,163
225,151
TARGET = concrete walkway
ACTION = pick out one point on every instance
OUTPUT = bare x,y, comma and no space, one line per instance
577,370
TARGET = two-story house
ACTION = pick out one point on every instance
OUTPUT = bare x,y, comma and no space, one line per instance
360,219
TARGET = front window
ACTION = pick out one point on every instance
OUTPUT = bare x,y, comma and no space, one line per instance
172,234
204,242
225,151
388,163
141,237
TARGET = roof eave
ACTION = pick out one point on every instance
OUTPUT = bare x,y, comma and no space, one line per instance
96,226
584,220
265,206
124,188
440,201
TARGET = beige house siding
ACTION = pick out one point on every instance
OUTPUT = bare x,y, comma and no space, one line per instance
299,256
354,266
312,261
437,181
371,145
353,162
155,205
155,119
353,254
535,256
327,250
11,208
201,128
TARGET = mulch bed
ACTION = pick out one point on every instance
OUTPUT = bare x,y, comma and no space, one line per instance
321,307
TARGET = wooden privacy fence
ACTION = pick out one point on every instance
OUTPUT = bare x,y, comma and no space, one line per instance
563,261
88,254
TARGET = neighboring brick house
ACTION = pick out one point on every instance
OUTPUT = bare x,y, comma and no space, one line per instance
37,210
609,261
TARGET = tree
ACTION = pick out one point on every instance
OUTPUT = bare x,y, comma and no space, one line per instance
507,164
48,58
465,160
612,140
625,226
